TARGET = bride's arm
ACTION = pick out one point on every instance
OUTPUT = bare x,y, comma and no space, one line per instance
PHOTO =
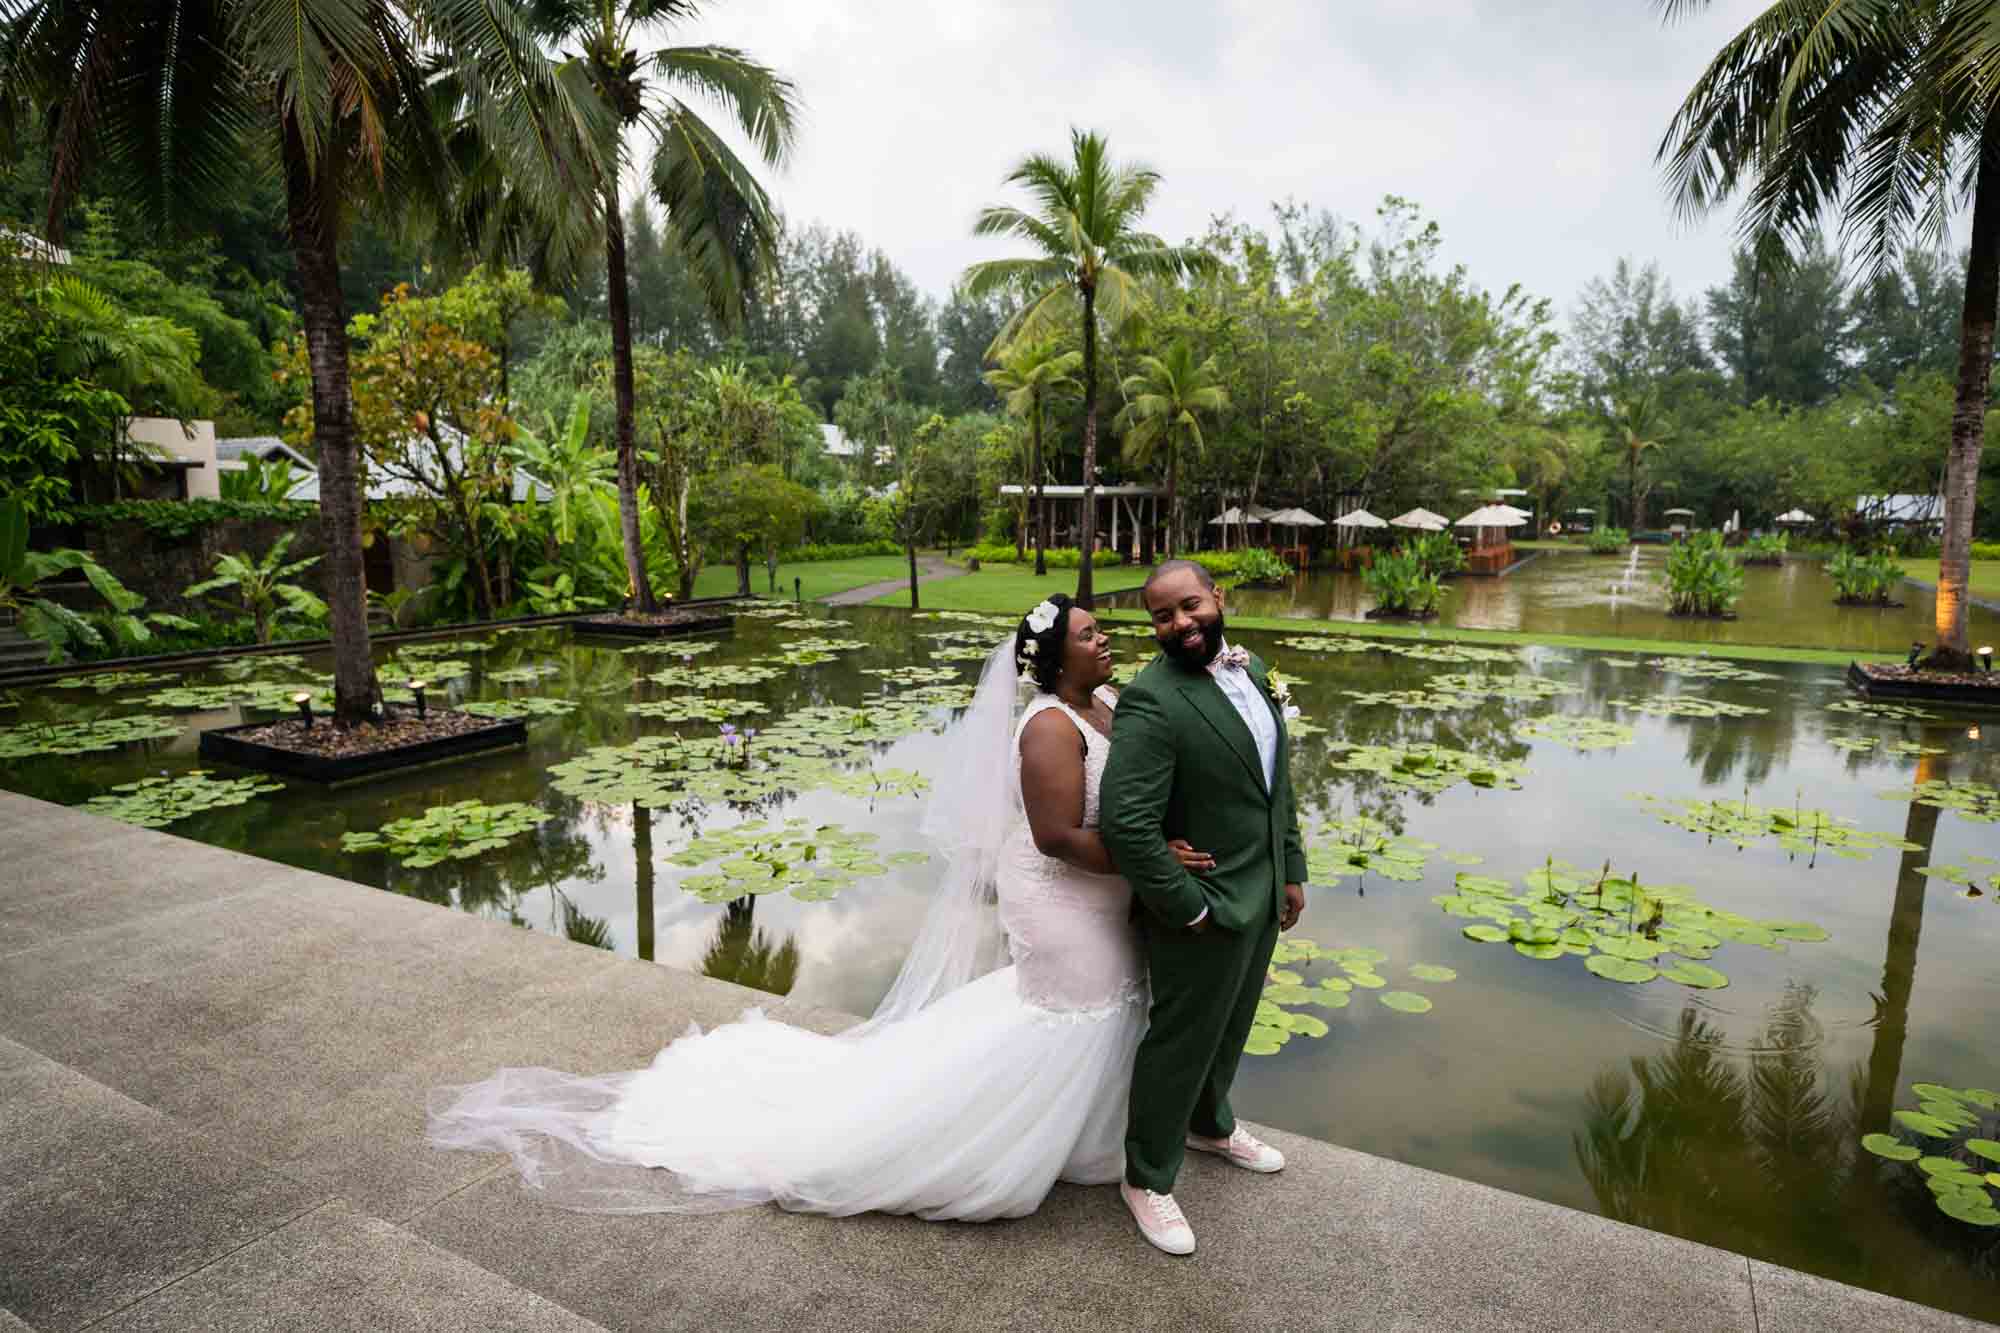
1052,778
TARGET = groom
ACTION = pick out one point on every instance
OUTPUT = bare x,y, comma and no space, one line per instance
1198,752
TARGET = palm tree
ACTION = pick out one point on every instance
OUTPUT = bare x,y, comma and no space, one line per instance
1891,112
717,215
1165,401
1638,428
1029,372
1088,252
372,103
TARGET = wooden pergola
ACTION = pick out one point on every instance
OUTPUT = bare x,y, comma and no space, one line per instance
1139,505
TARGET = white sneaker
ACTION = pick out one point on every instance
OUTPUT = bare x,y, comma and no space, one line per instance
1243,1149
1160,1219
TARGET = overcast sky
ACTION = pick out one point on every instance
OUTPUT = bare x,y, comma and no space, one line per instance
1526,128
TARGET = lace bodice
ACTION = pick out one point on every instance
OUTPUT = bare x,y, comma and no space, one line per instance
1096,748
1069,931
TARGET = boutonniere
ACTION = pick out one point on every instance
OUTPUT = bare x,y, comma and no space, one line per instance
1281,693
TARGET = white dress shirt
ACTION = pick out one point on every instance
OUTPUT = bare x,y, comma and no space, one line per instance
1243,695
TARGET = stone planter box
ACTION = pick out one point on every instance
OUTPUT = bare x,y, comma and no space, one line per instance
1978,689
661,626
229,745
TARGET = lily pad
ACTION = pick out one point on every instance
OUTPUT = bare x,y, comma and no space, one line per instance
41,738
1887,1145
1929,1126
1698,975
1405,1001
1485,934
1613,968
1987,1148
158,802
1579,733
458,831
1432,972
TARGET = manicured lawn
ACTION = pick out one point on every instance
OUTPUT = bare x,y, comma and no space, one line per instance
1985,575
1648,647
1009,588
821,578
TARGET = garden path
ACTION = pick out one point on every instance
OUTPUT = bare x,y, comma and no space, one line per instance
929,569
213,1071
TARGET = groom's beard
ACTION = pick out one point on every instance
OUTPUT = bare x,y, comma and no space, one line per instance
1199,656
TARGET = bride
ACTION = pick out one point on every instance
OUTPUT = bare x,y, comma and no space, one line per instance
972,1089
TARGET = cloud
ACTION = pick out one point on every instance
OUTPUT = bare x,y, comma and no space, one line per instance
1526,130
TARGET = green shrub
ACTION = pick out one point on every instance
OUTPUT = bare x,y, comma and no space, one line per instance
1062,557
1702,578
1866,578
203,635
1609,541
1252,564
1437,553
838,551
1766,548
1401,585
1986,550
181,519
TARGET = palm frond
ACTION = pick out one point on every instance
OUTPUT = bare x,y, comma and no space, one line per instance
718,214
763,102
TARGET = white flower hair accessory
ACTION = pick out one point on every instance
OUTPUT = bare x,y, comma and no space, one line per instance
1028,648
1043,616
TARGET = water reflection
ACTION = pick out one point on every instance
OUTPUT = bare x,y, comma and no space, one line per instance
1561,592
749,956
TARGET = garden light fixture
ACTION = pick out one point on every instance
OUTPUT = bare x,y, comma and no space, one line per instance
417,688
1986,659
304,700
1916,651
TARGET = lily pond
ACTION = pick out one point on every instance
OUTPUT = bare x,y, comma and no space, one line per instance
1565,592
1706,947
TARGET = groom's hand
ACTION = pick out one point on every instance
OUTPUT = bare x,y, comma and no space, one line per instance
1295,905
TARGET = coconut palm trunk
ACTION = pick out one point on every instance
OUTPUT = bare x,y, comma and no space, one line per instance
310,210
1899,960
1087,536
618,298
642,878
1968,417
1041,518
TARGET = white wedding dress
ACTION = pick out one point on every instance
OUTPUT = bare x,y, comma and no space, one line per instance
971,1108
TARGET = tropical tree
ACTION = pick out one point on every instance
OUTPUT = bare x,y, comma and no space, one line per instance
147,360
717,214
1090,258
1637,429
262,586
1890,112
573,468
1030,373
1164,403
40,616
390,105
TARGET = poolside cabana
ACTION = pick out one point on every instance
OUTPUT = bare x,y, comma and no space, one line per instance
1492,550
1139,506
1677,529
1295,519
1422,519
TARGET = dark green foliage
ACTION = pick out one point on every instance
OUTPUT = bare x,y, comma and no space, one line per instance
1401,585
1702,578
1867,577
179,520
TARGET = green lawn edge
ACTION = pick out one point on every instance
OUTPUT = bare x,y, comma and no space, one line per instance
1740,652
1985,580
1006,588
818,578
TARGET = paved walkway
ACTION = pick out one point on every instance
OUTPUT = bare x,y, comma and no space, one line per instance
212,1075
930,569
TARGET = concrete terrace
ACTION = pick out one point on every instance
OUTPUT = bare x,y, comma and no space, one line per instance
212,1078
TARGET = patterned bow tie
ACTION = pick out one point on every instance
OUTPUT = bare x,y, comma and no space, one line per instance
1231,657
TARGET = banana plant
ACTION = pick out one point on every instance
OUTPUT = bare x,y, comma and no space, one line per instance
24,600
262,587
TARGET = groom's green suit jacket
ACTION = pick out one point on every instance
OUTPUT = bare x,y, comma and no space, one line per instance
1184,765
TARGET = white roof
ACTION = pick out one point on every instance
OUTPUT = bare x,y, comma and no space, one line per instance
1421,518
1076,492
1297,518
1492,516
262,447
383,486
1524,515
1793,516
834,442
1901,508
25,245
1257,514
1357,518
1677,510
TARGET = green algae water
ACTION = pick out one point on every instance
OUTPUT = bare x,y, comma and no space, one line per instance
1823,870
1562,592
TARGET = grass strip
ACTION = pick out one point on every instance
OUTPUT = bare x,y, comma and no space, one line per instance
1741,652
1009,589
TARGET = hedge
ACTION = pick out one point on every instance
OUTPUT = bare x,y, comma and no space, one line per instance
178,520
1059,557
837,551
